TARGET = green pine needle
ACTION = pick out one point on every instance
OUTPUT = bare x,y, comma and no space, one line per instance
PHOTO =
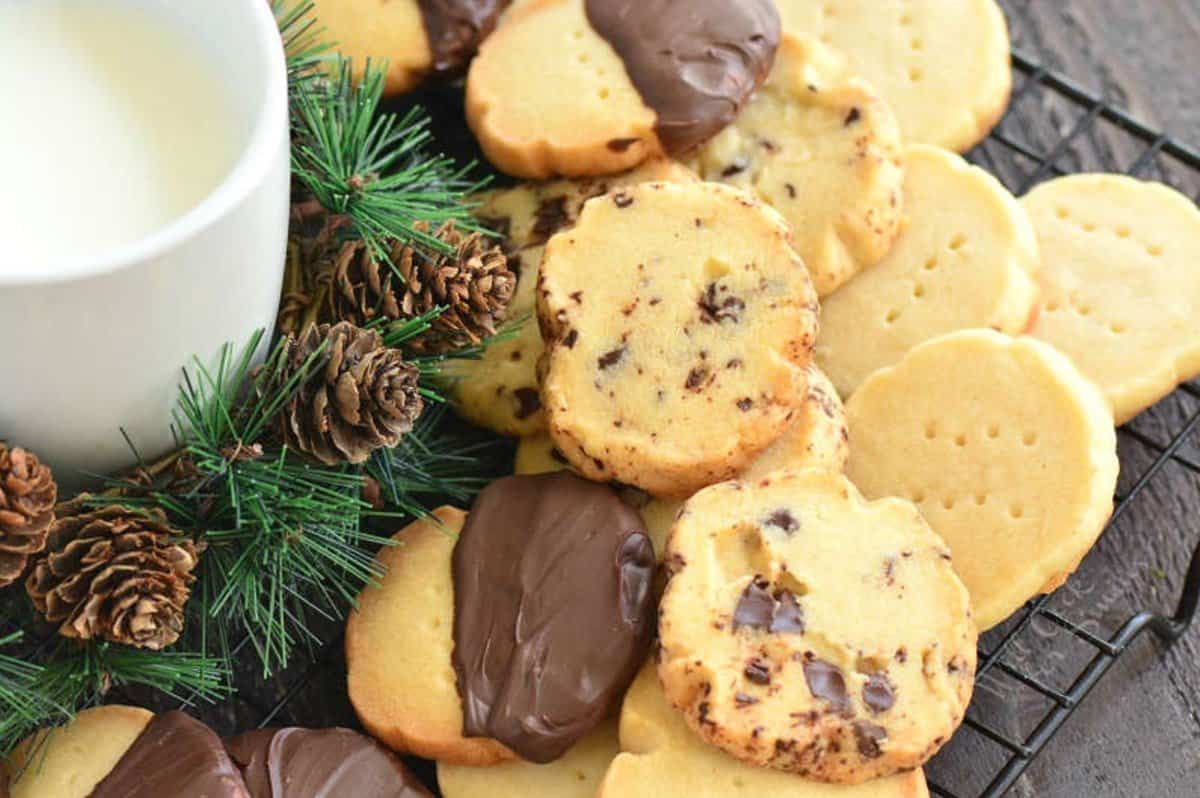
303,41
374,167
24,704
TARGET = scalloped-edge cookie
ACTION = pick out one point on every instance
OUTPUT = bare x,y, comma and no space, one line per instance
703,316
499,391
820,146
592,87
1007,449
943,65
1121,287
808,630
968,258
576,775
662,758
69,761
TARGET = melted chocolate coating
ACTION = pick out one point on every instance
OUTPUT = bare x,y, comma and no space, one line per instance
320,763
694,62
553,610
455,29
174,755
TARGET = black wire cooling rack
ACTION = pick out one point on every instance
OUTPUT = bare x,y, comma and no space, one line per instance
1048,657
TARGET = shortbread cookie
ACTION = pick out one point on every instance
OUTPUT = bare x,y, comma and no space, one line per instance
413,38
967,258
1007,449
499,391
576,775
702,317
316,763
174,755
943,65
808,630
592,87
822,148
69,761
398,644
1121,288
540,559
662,757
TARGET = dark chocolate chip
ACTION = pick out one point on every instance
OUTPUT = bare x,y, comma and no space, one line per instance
878,694
756,606
869,736
791,190
783,519
852,117
826,682
735,168
697,378
715,308
571,338
744,700
789,615
745,403
758,671
622,200
611,358
577,296
528,402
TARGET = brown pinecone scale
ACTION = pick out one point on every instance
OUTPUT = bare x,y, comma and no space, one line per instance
360,396
473,283
114,573
27,498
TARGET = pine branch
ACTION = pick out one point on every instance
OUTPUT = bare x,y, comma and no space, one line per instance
374,167
24,704
303,41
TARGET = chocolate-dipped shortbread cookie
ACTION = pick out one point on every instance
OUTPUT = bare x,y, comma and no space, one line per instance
320,763
590,87
520,637
416,39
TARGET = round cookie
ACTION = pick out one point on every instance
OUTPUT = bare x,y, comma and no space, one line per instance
808,630
405,693
703,316
822,148
414,38
943,65
1007,449
576,775
499,391
967,258
69,761
662,757
1121,293
593,87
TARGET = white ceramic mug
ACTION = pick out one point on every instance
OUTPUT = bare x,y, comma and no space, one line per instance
100,347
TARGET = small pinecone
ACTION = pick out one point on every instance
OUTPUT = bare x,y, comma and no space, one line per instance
360,397
473,283
114,573
27,497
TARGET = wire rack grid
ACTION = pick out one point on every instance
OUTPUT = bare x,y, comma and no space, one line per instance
1046,656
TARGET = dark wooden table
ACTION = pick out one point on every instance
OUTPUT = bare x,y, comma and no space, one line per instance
1138,734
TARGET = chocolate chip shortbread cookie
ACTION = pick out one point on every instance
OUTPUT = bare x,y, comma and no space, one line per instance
592,87
808,630
820,146
675,318
499,391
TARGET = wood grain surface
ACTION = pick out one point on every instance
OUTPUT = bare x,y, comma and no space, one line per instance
1138,734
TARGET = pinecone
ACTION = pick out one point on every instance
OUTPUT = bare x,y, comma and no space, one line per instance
473,283
27,497
114,573
360,397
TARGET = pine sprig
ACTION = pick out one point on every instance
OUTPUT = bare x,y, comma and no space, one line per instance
303,41
373,167
24,704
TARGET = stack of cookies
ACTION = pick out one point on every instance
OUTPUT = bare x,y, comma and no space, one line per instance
854,399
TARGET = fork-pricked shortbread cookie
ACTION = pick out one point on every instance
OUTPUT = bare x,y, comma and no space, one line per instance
499,391
943,65
968,257
806,629
662,757
1007,449
1121,287
593,87
414,39
821,147
576,775
69,761
702,317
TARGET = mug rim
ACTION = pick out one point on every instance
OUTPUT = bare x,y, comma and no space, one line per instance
246,174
